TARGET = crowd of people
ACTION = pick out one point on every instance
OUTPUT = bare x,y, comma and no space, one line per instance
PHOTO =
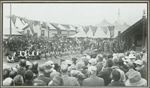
33,47
112,69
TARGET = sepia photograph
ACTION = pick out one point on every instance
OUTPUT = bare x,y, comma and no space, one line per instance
75,44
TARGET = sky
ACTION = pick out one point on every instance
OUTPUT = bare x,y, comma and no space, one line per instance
78,13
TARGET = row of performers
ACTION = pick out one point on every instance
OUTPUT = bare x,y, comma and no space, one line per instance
16,56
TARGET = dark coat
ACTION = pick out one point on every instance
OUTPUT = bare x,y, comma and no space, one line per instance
93,81
116,83
105,74
43,78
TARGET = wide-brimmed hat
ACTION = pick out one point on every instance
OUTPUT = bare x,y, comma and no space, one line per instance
139,62
132,56
7,82
135,79
92,61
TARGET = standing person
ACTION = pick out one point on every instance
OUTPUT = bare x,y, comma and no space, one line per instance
28,78
115,79
106,72
68,81
93,80
41,76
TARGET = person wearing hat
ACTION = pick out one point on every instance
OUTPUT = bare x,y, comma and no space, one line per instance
5,73
93,80
100,64
143,69
18,80
116,66
41,75
8,82
130,67
115,75
22,67
139,64
56,81
34,69
12,74
68,81
28,78
105,74
48,67
135,79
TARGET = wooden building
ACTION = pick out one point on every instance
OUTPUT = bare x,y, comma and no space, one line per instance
135,37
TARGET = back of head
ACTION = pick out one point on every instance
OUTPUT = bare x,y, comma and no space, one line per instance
12,74
109,63
28,75
41,68
22,63
99,58
5,73
18,80
92,70
116,61
64,67
115,75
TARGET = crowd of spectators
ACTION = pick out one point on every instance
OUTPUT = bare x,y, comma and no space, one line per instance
114,69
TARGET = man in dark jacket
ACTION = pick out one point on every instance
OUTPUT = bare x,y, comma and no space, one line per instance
105,74
41,76
93,80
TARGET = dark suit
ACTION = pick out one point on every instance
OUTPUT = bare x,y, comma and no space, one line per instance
43,78
93,81
143,72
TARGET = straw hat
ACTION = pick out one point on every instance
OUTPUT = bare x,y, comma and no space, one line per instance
135,80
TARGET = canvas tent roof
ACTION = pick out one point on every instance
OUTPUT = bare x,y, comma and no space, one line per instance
90,33
104,22
81,33
100,33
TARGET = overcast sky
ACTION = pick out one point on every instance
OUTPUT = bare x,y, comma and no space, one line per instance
77,13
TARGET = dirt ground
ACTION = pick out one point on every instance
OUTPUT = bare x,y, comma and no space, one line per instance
43,60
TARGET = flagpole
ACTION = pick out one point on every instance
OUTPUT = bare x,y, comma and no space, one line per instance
10,22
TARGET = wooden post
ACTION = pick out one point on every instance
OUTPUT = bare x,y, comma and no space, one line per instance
10,23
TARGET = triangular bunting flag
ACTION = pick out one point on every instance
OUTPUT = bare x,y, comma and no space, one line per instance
30,22
104,28
13,18
36,23
86,29
94,29
66,26
111,29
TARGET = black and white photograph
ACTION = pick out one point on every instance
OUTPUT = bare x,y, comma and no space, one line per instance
75,44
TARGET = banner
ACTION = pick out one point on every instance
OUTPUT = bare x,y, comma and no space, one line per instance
94,29
111,29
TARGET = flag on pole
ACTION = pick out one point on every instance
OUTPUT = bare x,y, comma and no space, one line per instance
111,29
